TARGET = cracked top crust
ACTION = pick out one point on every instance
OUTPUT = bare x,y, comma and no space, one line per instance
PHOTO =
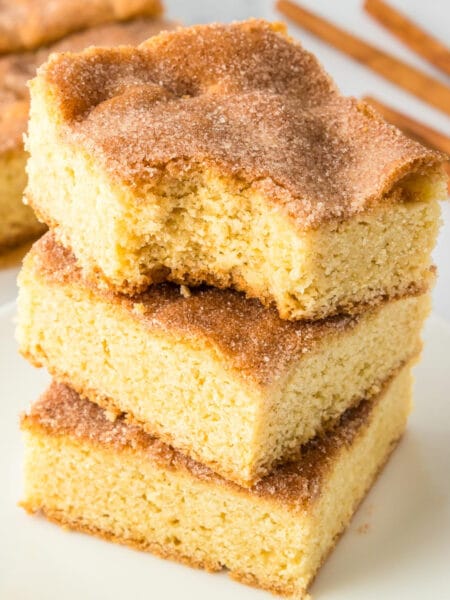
243,100
61,411
26,24
17,69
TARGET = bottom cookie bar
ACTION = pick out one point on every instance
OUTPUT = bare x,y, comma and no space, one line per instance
112,479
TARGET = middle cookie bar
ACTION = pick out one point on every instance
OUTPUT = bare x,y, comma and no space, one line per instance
209,371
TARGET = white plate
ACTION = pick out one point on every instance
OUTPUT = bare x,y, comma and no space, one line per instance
397,546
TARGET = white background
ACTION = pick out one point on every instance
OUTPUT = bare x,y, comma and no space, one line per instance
351,77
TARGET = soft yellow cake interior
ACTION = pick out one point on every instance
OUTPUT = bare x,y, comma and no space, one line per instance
204,227
275,536
190,391
18,222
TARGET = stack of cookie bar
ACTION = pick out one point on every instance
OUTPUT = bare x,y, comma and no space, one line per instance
229,299
26,30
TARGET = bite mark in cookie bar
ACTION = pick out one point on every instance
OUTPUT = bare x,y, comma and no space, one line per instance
111,479
242,166
217,375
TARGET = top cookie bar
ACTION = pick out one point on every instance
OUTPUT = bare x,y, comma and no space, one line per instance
26,24
224,154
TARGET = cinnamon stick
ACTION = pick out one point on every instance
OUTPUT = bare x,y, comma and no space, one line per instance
409,78
414,129
410,34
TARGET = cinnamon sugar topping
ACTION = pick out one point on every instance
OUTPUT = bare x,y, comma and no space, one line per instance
242,100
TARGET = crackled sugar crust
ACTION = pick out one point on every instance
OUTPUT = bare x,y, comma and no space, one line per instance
26,24
255,106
